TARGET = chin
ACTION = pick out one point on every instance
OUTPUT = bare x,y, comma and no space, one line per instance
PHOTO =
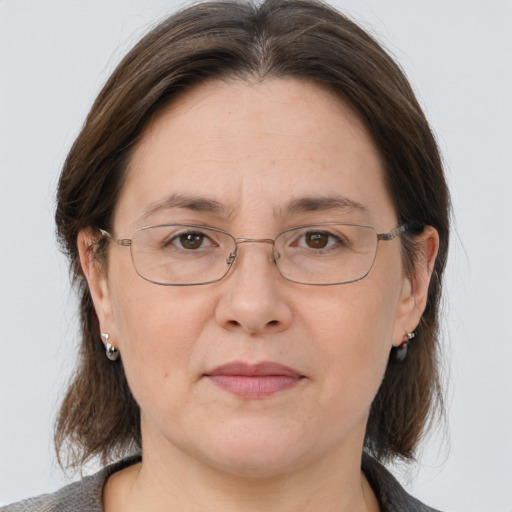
260,451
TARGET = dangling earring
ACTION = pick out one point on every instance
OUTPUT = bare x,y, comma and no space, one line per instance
110,350
401,350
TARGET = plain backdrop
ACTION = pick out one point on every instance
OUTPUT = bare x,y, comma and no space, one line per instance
54,57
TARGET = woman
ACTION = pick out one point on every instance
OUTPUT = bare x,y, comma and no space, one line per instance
257,220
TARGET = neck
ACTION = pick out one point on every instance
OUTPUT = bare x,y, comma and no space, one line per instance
189,486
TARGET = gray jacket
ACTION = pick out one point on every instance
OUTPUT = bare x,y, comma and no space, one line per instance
85,495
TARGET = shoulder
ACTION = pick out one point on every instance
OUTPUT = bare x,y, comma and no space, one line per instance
391,495
78,496
82,496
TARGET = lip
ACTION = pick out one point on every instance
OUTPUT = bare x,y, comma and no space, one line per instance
254,380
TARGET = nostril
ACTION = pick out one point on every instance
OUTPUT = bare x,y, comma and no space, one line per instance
273,322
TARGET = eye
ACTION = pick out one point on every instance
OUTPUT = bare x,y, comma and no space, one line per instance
190,241
317,240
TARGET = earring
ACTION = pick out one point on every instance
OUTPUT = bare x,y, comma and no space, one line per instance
110,350
401,350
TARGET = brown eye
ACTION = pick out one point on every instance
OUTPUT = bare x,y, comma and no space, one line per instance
191,240
317,240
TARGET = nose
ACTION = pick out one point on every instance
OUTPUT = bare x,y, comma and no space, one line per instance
253,298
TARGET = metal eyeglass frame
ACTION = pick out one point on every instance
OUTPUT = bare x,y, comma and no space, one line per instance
127,242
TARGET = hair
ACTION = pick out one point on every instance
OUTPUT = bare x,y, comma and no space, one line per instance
305,39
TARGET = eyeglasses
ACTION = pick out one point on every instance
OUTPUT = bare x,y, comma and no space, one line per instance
316,254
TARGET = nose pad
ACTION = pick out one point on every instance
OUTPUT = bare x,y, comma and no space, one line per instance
231,258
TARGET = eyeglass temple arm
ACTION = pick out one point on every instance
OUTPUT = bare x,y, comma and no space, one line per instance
398,231
126,242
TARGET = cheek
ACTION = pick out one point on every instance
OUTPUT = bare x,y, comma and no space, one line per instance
355,323
361,314
158,329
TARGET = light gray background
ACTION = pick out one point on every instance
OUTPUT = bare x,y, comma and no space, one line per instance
54,57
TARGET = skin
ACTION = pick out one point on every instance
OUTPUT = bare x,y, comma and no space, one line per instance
252,147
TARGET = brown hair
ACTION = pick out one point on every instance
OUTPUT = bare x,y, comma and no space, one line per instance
277,38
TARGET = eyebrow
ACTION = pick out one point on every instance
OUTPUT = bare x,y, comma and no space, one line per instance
208,205
323,203
189,202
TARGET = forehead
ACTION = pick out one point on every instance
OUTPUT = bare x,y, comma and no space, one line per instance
248,146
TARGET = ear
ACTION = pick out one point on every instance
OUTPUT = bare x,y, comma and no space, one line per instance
414,295
95,273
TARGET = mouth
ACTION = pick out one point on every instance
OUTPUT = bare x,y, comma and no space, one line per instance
254,380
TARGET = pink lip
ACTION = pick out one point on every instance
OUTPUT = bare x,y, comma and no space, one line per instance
254,380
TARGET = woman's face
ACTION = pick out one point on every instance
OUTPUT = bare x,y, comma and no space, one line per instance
256,152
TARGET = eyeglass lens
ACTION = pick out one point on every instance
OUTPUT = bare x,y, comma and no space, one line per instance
313,254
